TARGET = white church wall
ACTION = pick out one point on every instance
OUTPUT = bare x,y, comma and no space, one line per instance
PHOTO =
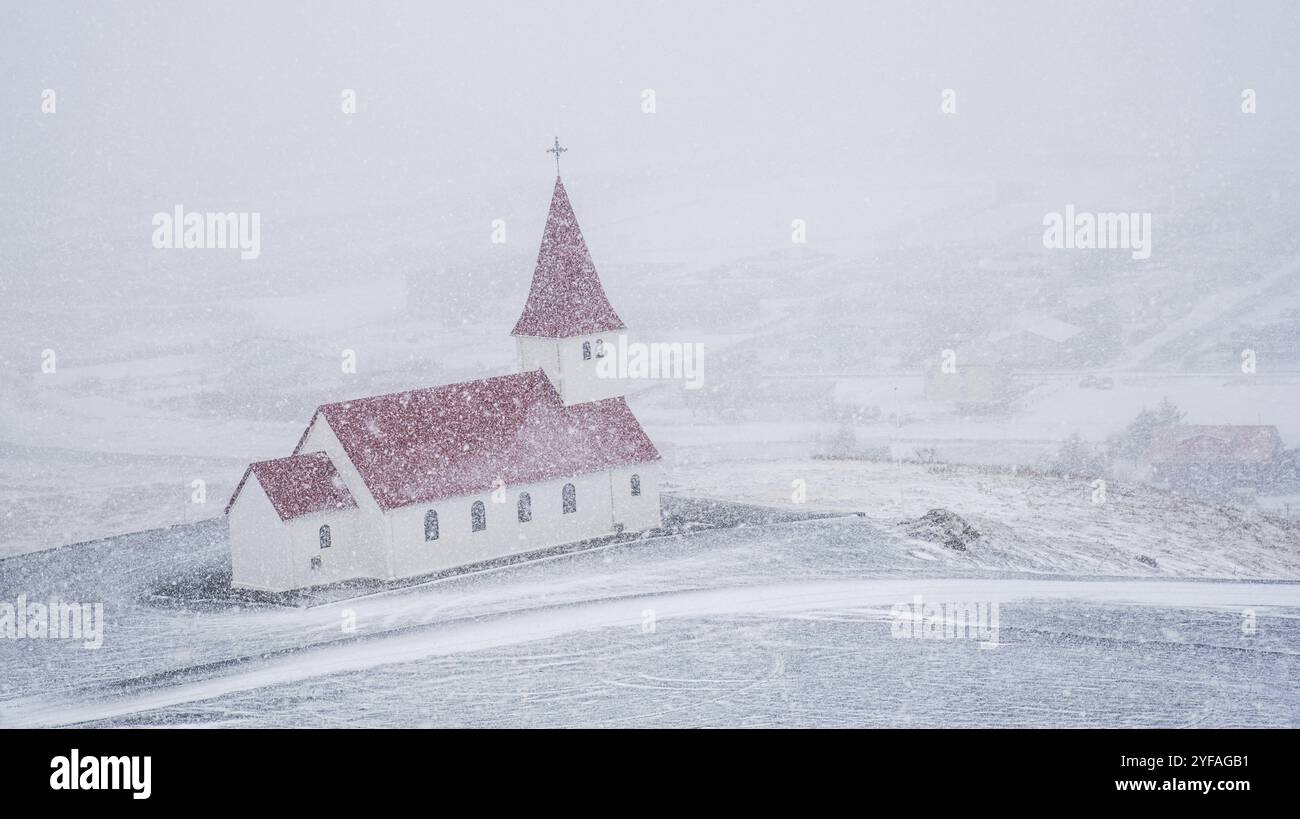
347,556
573,376
259,541
636,513
539,354
581,380
372,532
458,544
269,554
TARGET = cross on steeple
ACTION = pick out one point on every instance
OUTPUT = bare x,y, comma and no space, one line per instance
557,150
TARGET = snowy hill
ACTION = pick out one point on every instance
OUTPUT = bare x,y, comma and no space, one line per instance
770,621
1029,522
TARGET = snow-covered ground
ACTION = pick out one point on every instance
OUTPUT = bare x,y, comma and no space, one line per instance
1029,522
787,623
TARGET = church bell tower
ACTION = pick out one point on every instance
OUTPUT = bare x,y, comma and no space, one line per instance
568,324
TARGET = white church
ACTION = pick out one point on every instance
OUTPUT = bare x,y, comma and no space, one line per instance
411,483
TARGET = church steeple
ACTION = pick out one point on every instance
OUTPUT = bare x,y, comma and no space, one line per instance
566,298
568,324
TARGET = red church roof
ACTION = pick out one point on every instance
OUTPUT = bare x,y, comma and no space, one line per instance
299,485
566,298
440,442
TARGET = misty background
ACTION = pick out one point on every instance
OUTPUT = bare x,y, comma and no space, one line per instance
924,229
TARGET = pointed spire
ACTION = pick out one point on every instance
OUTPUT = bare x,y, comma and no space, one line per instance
566,298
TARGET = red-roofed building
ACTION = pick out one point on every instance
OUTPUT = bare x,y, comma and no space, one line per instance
1205,458
300,485
414,482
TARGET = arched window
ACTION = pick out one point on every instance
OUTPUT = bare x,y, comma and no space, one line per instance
325,536
431,525
570,495
478,516
525,507
600,348
586,351
636,486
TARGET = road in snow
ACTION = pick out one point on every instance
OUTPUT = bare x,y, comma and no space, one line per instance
778,600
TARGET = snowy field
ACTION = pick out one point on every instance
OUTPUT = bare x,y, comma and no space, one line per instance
782,624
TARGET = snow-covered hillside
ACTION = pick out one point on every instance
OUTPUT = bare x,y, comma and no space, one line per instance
1028,521
765,623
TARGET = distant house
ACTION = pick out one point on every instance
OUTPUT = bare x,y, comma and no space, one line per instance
1215,458
969,384
1033,340
972,378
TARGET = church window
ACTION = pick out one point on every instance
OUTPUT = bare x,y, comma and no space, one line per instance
636,486
586,351
570,495
525,507
430,525
600,348
478,516
325,536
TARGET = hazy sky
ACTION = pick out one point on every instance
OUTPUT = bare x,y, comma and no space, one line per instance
236,106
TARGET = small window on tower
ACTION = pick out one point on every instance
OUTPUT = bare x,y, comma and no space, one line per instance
586,351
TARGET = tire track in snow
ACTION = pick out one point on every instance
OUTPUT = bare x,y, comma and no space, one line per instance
544,623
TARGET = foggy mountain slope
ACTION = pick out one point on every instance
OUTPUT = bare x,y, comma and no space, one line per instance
1217,320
